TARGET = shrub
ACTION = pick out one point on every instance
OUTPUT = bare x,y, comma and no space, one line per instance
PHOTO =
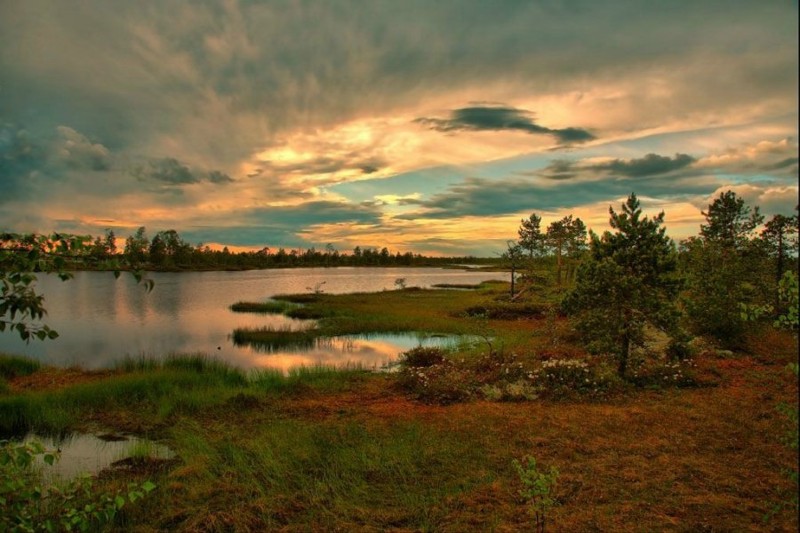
422,356
433,378
538,490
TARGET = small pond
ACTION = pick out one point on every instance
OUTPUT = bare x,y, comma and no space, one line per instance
83,453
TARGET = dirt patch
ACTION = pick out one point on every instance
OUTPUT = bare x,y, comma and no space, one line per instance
50,378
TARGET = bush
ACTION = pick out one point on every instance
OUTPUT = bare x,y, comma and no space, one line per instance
422,356
433,378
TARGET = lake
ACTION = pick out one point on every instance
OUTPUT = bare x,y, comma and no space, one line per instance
101,319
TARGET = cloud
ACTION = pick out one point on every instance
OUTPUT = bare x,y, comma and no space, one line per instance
279,225
189,96
649,165
170,171
498,118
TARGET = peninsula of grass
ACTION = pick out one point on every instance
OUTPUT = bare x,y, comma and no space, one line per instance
400,311
268,307
462,286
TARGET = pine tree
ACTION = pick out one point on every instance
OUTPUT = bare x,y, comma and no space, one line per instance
628,282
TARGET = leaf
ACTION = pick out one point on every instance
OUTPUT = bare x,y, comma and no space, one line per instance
49,458
119,501
148,486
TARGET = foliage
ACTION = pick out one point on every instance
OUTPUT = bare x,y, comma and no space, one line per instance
627,282
788,296
28,506
780,239
726,269
22,256
531,237
730,221
434,378
423,356
538,490
567,239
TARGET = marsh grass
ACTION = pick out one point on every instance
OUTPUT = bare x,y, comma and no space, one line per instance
269,339
268,307
12,366
324,475
159,389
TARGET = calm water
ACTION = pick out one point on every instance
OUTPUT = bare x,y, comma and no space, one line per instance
101,319
82,453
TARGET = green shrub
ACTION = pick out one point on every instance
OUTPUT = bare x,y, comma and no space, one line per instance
27,506
538,488
422,356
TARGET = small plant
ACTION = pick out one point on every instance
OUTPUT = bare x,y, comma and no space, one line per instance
27,506
538,490
400,283
317,288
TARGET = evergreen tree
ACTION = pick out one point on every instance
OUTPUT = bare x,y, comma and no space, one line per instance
724,268
567,239
628,282
531,237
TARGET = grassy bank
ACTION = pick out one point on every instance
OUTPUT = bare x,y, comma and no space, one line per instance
326,450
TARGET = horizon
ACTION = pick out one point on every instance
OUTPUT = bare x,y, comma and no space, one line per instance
424,128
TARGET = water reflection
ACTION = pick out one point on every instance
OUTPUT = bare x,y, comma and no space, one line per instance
82,453
101,319
374,351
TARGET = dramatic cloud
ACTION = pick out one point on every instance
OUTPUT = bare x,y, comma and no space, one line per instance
169,114
498,118
649,165
172,172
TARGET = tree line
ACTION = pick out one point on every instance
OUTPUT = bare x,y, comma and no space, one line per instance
634,278
167,250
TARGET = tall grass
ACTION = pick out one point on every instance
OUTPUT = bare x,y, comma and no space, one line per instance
12,366
270,339
158,389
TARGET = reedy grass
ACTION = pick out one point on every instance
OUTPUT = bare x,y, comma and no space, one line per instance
12,366
270,306
158,389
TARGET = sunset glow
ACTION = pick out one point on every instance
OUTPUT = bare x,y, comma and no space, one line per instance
430,127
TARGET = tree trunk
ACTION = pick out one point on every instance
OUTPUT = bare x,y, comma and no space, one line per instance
623,356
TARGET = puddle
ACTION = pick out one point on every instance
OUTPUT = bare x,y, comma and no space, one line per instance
83,453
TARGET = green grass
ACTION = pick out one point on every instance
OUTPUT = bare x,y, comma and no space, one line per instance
159,390
270,339
268,307
323,474
12,366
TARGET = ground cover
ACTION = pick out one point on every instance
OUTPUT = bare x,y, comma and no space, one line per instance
357,451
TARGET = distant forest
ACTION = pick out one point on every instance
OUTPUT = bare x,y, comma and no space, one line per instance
167,250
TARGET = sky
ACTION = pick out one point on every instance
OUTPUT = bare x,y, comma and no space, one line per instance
430,127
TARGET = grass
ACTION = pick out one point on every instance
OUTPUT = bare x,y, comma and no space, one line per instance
12,366
320,449
271,306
